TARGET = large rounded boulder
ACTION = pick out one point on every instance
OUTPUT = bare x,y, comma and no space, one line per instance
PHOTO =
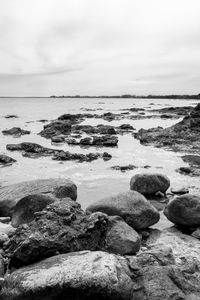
149,183
79,275
11,194
184,211
131,206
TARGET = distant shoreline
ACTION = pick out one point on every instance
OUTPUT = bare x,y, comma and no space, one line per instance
126,96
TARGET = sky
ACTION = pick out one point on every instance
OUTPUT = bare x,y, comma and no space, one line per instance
99,47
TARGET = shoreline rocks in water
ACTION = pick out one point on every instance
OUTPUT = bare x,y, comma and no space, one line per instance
16,131
6,160
33,150
183,136
11,194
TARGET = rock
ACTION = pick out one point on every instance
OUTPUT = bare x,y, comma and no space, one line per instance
62,156
196,234
25,208
126,127
33,150
86,141
149,183
183,136
89,129
56,128
7,229
15,131
11,194
105,129
131,206
121,238
6,160
61,228
184,210
180,191
105,140
57,139
124,168
79,275
184,170
106,156
10,116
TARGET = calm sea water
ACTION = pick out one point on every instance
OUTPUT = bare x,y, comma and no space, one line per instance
94,180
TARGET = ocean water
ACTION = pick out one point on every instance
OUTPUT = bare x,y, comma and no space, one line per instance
95,179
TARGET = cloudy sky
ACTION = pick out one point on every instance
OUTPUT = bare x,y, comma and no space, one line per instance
101,47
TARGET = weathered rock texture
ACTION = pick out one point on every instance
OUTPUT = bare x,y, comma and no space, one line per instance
79,275
62,227
6,160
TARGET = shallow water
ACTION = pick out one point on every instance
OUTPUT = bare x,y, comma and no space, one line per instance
95,179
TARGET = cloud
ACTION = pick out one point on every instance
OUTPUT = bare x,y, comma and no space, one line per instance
99,47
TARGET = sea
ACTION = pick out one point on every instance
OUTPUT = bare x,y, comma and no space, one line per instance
96,179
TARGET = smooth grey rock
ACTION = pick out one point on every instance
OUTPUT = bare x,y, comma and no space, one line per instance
11,194
131,206
184,210
149,183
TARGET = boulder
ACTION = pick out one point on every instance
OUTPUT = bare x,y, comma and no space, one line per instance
15,131
79,275
26,207
61,227
184,210
3,238
6,160
131,206
105,140
149,183
11,194
120,237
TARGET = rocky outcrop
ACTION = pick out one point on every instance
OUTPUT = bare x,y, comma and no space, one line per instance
120,237
6,160
79,275
15,131
131,206
61,227
102,141
56,128
184,210
11,194
149,183
124,168
33,150
25,208
183,136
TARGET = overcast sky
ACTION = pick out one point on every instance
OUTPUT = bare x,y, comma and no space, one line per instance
101,47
